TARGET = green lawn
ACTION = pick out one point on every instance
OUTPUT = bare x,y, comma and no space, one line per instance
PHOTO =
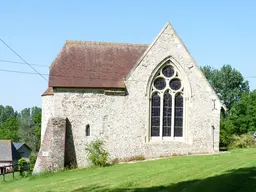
234,171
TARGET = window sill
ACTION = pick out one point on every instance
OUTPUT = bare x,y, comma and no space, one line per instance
166,139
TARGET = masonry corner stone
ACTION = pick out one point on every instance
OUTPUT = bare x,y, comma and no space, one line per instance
52,151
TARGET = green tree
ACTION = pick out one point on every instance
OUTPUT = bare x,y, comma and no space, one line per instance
234,91
241,119
9,129
243,114
36,118
9,124
30,127
24,126
227,82
6,112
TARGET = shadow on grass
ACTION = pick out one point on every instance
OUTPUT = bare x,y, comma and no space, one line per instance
237,180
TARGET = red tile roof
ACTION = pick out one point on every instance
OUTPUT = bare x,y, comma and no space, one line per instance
49,91
94,64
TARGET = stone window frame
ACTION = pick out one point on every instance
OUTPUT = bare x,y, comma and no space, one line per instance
186,95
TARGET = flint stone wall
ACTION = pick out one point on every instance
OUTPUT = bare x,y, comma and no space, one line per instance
123,121
52,151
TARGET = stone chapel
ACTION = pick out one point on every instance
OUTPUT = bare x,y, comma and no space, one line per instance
150,100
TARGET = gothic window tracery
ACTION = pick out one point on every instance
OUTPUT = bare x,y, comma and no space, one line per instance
167,103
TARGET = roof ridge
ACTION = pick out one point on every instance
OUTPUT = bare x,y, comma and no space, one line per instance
103,43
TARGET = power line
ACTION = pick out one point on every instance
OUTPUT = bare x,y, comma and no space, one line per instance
250,77
23,72
42,75
23,59
16,62
90,70
87,78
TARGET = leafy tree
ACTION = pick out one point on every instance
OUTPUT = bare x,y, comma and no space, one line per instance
6,112
36,118
24,126
26,131
30,127
243,115
9,129
234,91
9,124
227,82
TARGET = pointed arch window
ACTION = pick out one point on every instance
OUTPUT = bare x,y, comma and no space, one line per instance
167,103
167,114
155,115
178,118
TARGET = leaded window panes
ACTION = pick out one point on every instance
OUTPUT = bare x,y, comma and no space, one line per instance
155,115
178,120
167,103
168,71
167,115
175,84
160,83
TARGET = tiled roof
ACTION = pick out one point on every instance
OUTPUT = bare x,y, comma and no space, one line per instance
7,151
49,91
94,64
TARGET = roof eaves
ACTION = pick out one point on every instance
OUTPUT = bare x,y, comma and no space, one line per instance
49,91
77,42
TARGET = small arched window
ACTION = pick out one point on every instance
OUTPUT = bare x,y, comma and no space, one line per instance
87,130
167,103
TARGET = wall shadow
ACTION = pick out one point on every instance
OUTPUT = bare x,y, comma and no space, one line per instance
237,180
70,153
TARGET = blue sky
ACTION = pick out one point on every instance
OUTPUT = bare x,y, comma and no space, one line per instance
216,32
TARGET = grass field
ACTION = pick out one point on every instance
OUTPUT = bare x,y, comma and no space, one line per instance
234,171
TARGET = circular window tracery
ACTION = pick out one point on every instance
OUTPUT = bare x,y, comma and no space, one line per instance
168,71
175,84
160,83
167,102
167,78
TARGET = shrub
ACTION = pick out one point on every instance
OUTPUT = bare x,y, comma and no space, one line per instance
32,162
134,158
225,133
96,153
242,141
115,161
139,158
22,163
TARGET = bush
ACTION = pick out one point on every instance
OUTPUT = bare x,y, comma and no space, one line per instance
139,158
22,163
96,153
115,161
225,133
134,158
242,141
32,162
